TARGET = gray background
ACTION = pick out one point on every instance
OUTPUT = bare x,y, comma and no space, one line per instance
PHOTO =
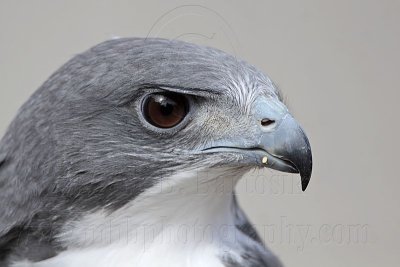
337,63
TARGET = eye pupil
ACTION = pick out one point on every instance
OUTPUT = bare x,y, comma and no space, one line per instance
165,110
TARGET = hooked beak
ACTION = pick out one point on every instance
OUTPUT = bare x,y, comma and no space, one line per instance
289,149
285,147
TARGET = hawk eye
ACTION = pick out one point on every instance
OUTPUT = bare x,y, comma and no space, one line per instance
165,110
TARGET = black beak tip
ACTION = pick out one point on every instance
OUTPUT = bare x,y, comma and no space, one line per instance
304,183
305,174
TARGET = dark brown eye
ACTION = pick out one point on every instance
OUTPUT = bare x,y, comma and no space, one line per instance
165,110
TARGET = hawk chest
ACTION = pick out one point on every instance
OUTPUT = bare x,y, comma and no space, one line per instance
185,222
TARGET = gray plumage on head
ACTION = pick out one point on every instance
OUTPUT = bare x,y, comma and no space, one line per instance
80,143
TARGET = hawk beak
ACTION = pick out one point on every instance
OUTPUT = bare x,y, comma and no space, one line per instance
288,149
281,146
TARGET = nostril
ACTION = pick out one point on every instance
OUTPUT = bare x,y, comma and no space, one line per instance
267,122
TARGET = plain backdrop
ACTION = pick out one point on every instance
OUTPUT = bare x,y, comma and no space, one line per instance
337,63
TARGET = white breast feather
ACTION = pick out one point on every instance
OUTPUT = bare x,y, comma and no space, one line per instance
187,220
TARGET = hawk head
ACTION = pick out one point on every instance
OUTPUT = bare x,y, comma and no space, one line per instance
117,118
